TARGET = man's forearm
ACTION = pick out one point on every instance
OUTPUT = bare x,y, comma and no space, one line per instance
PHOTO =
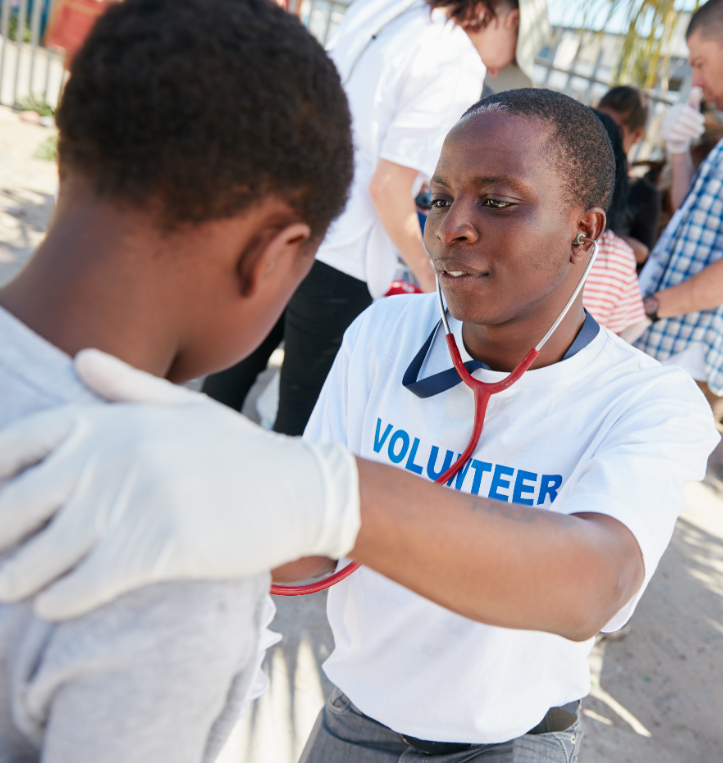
501,564
703,291
683,170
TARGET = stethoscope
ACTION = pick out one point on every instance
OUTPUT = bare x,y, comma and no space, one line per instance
482,391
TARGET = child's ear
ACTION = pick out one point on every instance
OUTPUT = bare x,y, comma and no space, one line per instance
273,252
638,135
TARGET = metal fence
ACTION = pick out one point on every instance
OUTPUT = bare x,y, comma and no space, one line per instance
583,67
585,74
322,17
584,71
27,68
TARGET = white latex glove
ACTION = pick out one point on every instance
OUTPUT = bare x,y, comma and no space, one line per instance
683,124
181,489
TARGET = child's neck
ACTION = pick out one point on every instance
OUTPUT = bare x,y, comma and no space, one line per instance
96,281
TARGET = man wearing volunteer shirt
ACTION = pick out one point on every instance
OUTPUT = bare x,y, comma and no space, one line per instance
577,434
682,281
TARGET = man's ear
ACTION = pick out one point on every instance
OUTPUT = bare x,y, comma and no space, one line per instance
273,252
592,226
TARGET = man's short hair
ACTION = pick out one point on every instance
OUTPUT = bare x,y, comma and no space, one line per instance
205,107
579,146
708,20
629,103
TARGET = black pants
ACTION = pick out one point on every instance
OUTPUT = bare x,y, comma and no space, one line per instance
321,310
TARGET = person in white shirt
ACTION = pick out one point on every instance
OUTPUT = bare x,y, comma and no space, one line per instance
410,68
597,428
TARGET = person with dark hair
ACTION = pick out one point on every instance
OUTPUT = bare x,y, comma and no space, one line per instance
682,283
520,176
628,106
612,293
409,69
593,445
181,229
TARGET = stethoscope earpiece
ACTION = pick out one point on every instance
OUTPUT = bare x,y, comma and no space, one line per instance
579,239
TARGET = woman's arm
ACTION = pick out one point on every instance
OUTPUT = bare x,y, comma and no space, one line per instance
391,192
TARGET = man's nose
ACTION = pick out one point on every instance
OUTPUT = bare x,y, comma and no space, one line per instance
456,226
698,79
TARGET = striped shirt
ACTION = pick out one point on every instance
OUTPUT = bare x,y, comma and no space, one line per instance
611,292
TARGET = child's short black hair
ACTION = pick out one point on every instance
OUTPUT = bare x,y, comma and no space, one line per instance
630,103
207,106
580,147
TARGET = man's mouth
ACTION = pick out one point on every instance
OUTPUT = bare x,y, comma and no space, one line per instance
457,273
454,273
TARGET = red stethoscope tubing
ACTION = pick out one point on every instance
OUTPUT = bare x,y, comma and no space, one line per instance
482,393
319,585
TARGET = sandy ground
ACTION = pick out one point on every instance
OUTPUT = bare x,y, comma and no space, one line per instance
656,695
27,186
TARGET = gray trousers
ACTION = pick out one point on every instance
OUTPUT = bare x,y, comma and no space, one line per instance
343,734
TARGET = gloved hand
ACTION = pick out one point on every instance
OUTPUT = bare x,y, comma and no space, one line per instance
683,124
137,494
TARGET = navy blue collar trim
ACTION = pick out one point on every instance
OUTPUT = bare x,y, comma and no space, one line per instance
441,382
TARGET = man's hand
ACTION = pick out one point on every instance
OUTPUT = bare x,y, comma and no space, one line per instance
137,494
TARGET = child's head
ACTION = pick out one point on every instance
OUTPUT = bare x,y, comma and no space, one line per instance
221,116
629,108
519,176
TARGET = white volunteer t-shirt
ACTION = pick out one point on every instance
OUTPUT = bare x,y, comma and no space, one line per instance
608,430
406,91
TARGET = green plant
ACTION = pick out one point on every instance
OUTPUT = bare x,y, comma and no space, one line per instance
48,149
13,29
646,46
39,104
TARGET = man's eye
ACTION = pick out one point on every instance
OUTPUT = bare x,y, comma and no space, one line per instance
440,203
495,204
